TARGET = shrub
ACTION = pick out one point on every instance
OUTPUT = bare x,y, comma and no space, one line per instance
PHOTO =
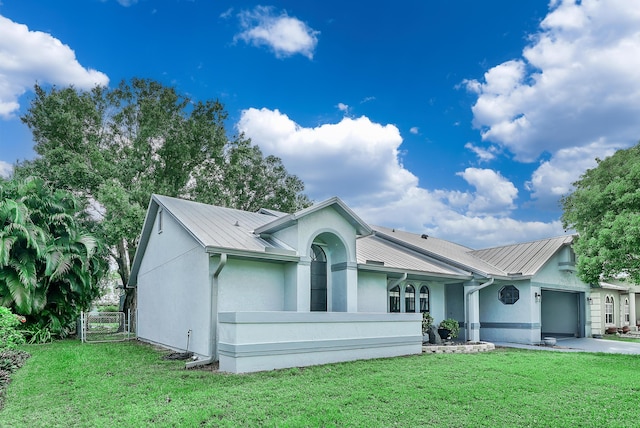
452,325
10,336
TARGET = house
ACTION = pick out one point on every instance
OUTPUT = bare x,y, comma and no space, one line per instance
614,306
264,290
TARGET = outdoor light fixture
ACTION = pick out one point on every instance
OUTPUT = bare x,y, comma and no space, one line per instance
538,296
590,300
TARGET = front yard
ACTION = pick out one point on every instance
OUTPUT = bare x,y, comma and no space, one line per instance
128,384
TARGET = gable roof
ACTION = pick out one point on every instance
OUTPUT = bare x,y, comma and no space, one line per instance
440,249
521,260
213,227
377,254
378,248
336,203
526,258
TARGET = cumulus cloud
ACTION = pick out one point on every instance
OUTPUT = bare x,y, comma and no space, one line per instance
494,193
553,178
359,161
414,130
484,155
283,34
6,169
574,94
29,56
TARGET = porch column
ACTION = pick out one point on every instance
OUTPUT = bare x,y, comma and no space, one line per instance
632,309
472,311
303,286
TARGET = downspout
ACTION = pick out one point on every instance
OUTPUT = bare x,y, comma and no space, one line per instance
393,284
213,316
468,293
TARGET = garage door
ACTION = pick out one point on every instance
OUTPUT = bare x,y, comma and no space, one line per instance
562,314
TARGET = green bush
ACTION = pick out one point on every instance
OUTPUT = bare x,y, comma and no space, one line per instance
452,325
10,335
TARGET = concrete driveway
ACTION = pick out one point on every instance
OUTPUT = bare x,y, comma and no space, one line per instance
583,344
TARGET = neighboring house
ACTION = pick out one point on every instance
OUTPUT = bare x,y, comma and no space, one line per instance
265,290
614,306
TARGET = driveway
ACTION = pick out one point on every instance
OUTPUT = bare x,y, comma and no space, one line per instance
583,344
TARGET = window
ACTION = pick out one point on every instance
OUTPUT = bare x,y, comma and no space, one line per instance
508,295
394,299
424,299
160,220
626,310
409,299
608,310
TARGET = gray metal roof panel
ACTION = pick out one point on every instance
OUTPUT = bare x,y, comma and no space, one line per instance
446,251
216,226
372,248
525,258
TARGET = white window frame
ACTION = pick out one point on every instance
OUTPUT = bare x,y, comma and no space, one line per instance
609,304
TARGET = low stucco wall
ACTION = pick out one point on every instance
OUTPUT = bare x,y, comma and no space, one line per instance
257,341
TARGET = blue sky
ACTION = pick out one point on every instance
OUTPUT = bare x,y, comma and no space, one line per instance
462,119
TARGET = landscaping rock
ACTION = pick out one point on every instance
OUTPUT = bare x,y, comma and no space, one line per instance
434,337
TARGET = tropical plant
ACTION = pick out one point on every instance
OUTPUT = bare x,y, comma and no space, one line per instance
427,322
10,335
452,325
49,264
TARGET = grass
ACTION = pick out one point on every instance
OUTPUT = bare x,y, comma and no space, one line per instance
620,338
128,384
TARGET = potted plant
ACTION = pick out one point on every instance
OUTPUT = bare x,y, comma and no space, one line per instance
427,321
449,328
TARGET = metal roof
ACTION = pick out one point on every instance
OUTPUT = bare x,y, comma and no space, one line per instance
336,203
374,251
446,251
524,258
220,227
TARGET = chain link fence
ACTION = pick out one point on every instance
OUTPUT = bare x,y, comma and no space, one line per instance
107,326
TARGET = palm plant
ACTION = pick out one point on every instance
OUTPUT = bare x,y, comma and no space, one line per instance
49,266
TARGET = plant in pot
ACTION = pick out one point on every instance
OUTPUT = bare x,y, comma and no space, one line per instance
449,328
427,321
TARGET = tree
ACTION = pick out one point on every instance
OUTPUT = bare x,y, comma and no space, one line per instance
604,209
49,264
115,147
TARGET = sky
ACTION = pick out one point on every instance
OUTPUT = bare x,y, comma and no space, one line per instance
466,120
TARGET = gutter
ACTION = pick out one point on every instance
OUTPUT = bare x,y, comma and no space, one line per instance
392,285
213,316
468,293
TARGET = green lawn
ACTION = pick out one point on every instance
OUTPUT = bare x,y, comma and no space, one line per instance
128,384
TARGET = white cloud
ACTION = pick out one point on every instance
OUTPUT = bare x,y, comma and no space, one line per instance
574,94
359,161
414,130
343,107
484,155
554,178
284,34
6,169
494,193
27,57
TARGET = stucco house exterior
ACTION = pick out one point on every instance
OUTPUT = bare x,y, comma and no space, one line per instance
264,290
614,305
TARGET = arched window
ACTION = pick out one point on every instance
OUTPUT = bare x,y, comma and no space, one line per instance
608,310
409,299
318,278
424,299
394,299
626,310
